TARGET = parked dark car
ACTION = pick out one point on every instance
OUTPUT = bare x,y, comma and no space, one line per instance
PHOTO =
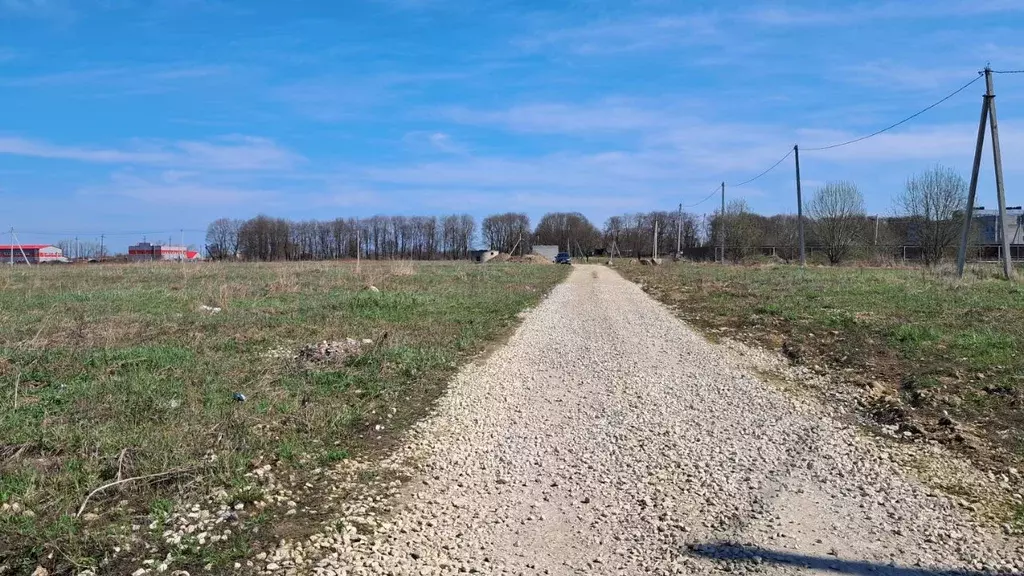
563,258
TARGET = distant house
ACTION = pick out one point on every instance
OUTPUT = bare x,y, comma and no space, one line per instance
548,251
987,223
31,254
146,252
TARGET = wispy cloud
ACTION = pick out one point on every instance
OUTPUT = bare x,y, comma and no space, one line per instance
626,35
174,189
230,153
434,141
153,77
56,10
905,76
905,10
610,115
332,99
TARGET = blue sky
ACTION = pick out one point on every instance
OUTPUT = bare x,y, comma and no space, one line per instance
124,116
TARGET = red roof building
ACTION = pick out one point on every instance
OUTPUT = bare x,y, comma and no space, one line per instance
146,252
31,254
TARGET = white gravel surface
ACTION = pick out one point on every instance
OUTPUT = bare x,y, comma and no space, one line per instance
607,437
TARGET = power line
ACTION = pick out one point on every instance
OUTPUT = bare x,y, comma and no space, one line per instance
109,234
900,123
773,167
1008,71
709,196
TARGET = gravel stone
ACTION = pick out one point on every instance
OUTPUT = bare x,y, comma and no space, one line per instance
607,437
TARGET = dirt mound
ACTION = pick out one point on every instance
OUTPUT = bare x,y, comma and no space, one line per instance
530,259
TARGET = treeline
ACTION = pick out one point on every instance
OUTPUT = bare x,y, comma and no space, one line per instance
836,226
379,237
450,237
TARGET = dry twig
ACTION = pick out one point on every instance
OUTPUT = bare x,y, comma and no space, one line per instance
164,474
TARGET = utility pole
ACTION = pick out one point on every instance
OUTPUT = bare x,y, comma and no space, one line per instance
799,209
979,148
876,229
997,157
988,112
655,249
102,237
76,247
679,231
721,226
12,247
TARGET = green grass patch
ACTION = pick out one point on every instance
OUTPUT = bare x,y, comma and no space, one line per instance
119,374
947,345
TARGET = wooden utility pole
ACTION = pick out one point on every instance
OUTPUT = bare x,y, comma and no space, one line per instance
965,230
799,210
721,226
997,157
876,229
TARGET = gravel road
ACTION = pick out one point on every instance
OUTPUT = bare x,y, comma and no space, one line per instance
607,437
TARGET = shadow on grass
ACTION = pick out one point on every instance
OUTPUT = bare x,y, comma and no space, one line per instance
753,554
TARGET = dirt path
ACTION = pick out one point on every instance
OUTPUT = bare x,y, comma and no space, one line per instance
607,437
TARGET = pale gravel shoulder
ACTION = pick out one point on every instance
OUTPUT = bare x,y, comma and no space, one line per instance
608,437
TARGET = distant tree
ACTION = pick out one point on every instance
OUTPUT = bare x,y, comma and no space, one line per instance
931,201
837,213
744,230
782,231
571,231
222,238
503,232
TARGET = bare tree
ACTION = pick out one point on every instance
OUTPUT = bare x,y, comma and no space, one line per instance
222,240
744,230
931,202
782,232
503,232
569,229
837,214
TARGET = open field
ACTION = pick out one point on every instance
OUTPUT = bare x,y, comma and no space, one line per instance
114,372
913,343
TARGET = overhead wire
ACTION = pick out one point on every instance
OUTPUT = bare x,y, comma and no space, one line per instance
111,234
773,167
1008,71
706,198
900,123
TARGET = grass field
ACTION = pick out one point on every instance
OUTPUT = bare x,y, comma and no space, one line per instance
114,372
916,342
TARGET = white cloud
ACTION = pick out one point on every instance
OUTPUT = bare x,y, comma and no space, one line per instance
154,78
33,148
886,73
903,10
174,189
230,153
561,118
434,141
627,35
